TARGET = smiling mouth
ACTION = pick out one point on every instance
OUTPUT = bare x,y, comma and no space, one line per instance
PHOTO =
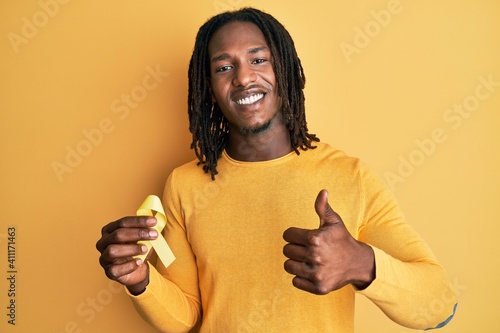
250,99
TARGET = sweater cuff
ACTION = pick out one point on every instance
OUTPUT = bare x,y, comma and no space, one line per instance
148,292
377,287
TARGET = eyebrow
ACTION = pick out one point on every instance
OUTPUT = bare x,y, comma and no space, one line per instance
225,56
257,49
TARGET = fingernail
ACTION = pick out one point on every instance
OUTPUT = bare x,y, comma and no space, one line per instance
144,248
138,262
153,233
151,221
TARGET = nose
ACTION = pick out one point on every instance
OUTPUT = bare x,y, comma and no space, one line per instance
243,75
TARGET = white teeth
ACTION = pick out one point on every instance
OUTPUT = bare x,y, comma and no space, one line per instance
250,99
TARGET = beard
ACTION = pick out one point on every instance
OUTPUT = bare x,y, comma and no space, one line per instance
256,129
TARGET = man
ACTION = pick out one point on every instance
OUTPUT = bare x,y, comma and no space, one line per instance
247,201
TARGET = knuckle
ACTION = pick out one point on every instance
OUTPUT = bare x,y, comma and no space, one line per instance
122,223
322,289
143,233
113,251
314,238
317,277
98,245
102,262
114,237
112,273
315,258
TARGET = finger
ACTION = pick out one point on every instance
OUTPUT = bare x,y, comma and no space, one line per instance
106,263
125,235
301,268
295,267
295,252
131,235
129,222
118,271
325,212
296,236
116,251
307,277
307,285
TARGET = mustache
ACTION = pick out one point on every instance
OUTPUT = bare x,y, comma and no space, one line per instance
242,92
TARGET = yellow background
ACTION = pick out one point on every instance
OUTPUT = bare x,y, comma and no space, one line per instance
67,76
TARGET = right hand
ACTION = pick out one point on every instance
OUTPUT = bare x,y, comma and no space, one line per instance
118,245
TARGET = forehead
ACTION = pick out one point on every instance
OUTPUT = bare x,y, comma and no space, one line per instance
235,36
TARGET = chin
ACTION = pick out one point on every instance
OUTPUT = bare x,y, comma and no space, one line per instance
256,129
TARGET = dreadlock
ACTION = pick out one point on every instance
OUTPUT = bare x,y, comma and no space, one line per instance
206,122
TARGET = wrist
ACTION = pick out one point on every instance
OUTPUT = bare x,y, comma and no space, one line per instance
140,287
367,269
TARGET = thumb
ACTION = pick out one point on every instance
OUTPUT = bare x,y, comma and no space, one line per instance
326,214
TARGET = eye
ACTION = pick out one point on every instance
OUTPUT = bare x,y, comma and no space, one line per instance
259,61
222,69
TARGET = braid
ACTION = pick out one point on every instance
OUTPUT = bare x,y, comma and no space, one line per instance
207,124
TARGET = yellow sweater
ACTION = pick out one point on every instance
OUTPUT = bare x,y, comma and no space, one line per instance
227,237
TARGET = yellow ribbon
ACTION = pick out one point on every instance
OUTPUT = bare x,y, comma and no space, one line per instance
152,207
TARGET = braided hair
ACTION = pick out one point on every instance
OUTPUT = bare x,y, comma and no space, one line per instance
207,124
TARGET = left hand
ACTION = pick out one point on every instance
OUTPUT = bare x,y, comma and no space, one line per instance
327,258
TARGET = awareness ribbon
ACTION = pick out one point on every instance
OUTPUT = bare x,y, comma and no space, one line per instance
152,207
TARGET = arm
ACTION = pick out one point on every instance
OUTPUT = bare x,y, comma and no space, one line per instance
410,287
166,298
171,301
389,261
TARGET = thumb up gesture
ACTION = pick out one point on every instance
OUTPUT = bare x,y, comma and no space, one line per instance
327,258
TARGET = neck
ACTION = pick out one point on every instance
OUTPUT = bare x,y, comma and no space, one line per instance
270,144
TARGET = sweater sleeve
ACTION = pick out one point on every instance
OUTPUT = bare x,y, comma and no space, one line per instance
171,301
410,287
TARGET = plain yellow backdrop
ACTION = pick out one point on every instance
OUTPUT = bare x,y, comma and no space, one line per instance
93,119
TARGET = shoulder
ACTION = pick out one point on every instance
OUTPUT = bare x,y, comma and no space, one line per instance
190,168
190,171
184,183
341,165
332,157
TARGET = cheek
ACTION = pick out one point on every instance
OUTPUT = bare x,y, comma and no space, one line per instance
270,79
269,75
219,92
210,83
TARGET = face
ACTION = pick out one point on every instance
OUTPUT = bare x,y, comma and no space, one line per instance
242,78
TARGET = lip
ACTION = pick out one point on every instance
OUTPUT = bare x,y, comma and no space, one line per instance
251,96
251,99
